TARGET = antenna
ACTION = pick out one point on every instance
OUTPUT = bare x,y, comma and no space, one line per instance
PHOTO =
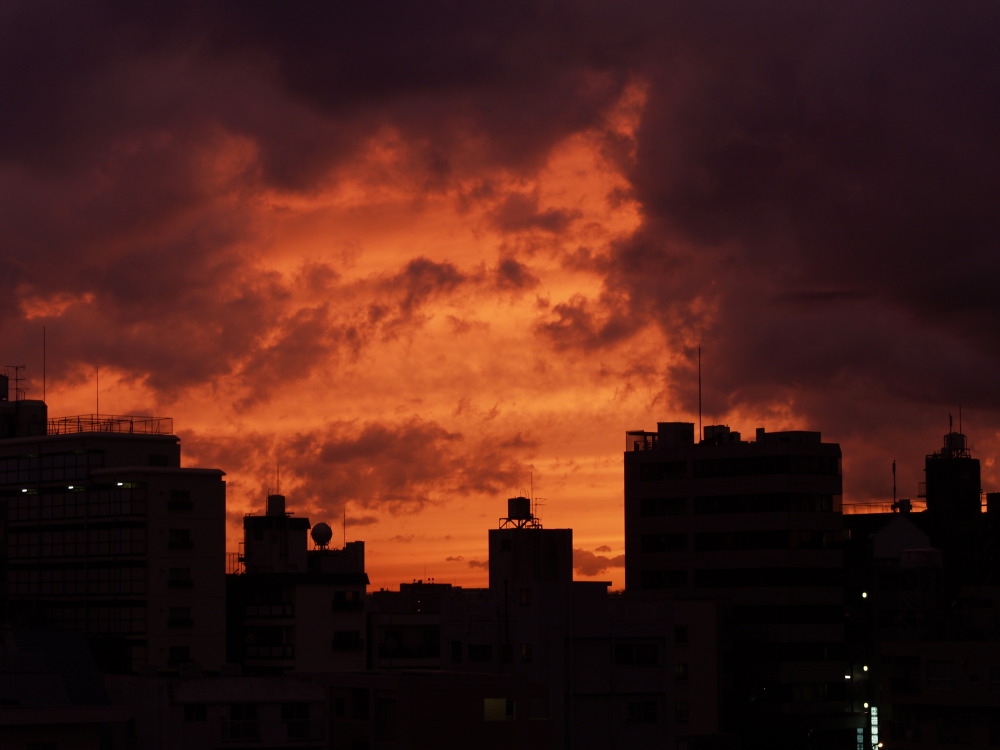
345,525
893,483
97,390
700,431
43,363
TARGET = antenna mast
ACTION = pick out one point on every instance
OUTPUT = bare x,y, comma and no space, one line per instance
700,431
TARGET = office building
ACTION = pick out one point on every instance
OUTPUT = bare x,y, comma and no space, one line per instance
103,532
924,602
756,527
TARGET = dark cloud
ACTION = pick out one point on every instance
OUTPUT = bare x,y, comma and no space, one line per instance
482,564
588,564
458,558
397,466
587,324
519,212
362,520
511,274
423,278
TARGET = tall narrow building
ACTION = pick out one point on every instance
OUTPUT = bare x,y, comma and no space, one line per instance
755,526
103,532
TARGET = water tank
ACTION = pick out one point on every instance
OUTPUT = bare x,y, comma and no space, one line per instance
321,534
275,505
519,508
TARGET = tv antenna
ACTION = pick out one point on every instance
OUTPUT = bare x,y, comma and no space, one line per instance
701,432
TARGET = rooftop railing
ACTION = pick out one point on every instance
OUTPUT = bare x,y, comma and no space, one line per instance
131,425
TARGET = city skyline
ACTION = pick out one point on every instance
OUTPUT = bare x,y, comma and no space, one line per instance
417,264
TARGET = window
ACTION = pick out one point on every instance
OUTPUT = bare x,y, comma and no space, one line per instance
680,634
346,601
296,719
662,506
242,725
480,653
662,579
179,578
637,653
526,654
178,655
180,500
524,596
653,543
682,711
179,539
179,617
681,672
499,709
642,711
940,674
346,640
195,712
655,471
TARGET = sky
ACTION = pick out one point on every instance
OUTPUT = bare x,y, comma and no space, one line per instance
402,261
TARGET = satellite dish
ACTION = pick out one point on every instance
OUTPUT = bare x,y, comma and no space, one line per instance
322,534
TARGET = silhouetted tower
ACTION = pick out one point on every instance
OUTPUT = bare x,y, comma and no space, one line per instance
953,488
275,542
522,551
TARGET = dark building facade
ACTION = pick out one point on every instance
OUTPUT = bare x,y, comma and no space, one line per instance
755,526
923,598
106,534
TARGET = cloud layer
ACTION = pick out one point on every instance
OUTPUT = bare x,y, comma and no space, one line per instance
423,258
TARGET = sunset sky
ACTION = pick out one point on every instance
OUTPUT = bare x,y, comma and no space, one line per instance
415,258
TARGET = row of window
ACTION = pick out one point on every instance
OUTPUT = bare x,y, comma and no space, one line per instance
773,502
742,540
71,504
86,542
77,581
743,577
52,460
482,653
242,723
117,619
648,712
739,466
50,467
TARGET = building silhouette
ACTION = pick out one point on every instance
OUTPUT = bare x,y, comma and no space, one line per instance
292,609
105,533
756,527
923,594
756,614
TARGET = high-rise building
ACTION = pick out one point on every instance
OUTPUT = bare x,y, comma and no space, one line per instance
756,527
924,602
103,532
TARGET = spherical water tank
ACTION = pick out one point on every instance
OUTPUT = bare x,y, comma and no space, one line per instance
321,534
